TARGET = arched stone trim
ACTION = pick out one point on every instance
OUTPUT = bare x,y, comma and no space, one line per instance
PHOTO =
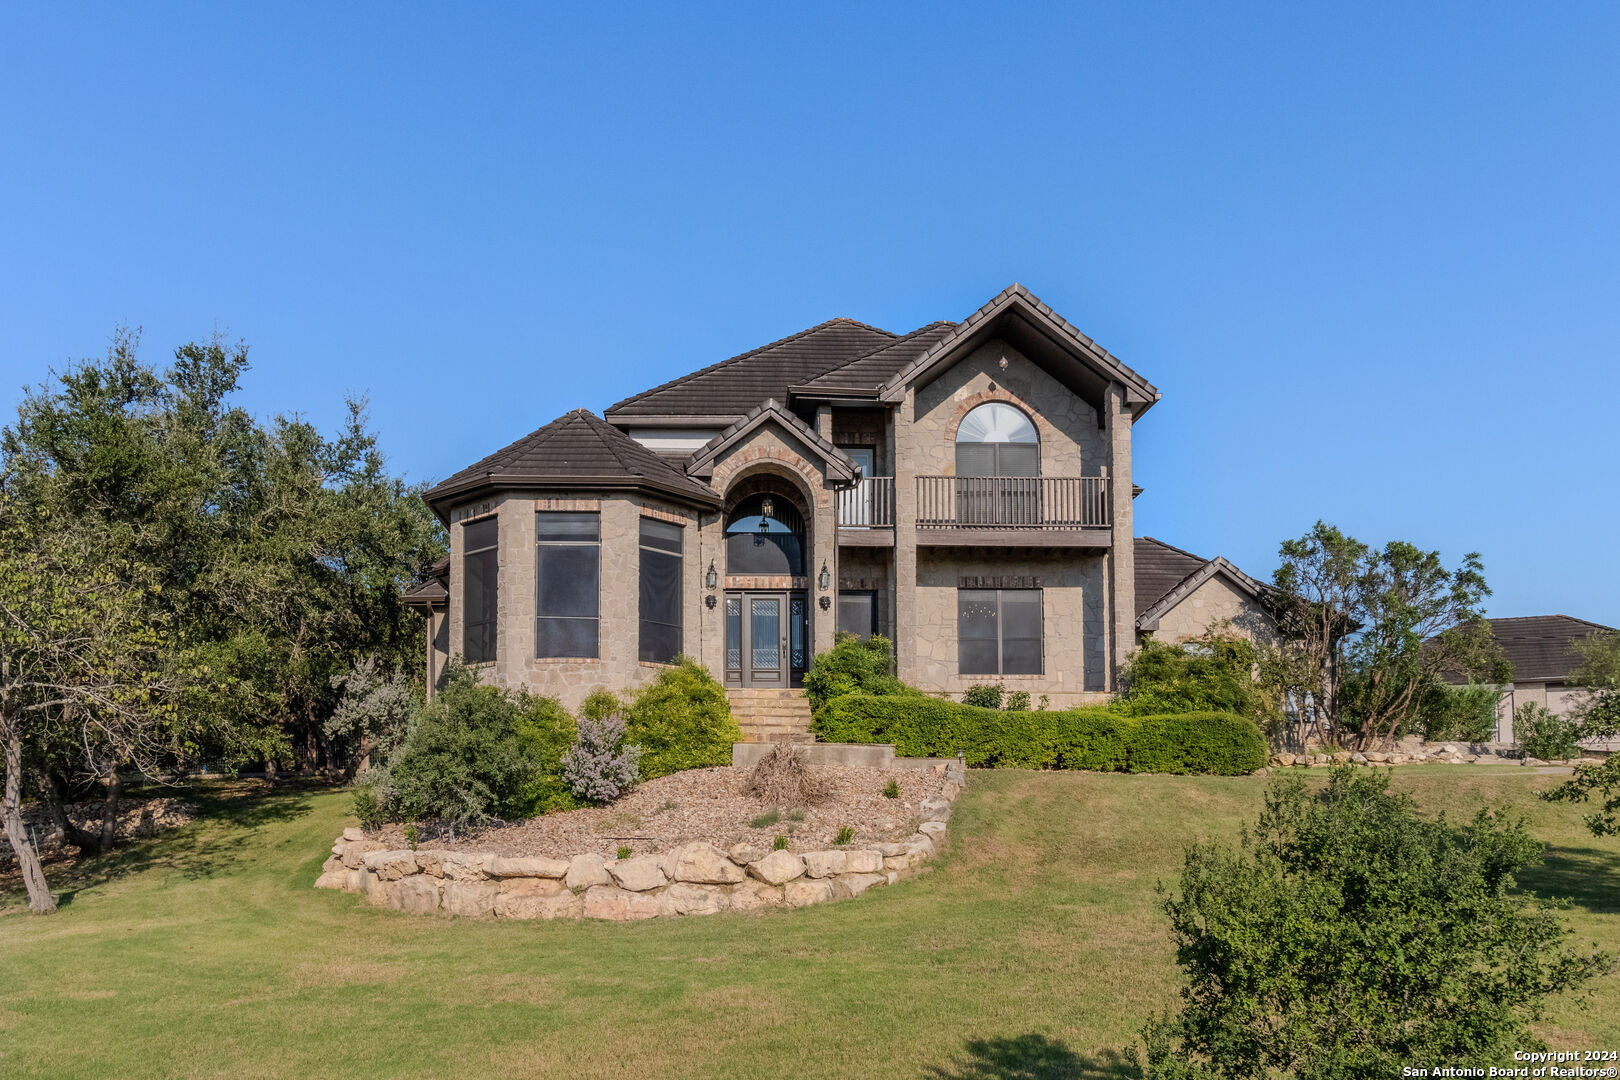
780,462
1043,427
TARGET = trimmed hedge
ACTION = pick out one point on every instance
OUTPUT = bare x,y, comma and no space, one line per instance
1097,738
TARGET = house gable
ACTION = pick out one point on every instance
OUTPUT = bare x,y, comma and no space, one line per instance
833,463
1019,318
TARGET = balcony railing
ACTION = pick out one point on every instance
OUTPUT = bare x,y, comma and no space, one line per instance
867,505
1013,502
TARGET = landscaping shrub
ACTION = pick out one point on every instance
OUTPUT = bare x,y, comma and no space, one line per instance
462,760
545,731
1018,701
1541,734
1214,673
986,695
853,666
1098,738
1460,713
601,766
1348,937
681,720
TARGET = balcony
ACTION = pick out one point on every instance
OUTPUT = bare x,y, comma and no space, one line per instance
866,513
1014,511
988,511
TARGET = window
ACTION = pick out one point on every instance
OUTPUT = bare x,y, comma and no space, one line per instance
660,591
997,440
765,536
857,613
568,564
480,563
998,631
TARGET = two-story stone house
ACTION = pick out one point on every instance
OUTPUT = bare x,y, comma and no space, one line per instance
964,489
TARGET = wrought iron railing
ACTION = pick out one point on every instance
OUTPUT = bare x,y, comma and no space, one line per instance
1013,502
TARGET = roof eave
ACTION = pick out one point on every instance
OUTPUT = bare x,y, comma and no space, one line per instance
438,498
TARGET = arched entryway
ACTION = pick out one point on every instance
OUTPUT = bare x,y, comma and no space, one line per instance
767,617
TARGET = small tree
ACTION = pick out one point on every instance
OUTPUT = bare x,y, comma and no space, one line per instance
1465,713
1348,936
1543,734
374,713
1599,719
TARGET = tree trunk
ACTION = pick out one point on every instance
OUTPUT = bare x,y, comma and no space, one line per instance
55,804
40,900
109,811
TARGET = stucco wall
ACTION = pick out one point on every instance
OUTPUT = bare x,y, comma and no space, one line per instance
1214,602
1073,615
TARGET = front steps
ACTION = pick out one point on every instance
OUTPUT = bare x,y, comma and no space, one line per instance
771,716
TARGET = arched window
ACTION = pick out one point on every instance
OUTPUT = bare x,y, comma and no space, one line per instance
765,535
996,439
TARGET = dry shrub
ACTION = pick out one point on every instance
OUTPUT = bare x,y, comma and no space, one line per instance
782,778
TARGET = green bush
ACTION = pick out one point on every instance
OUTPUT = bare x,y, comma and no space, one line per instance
463,760
1018,701
1346,936
681,720
545,730
985,695
1460,713
1098,739
853,666
1542,734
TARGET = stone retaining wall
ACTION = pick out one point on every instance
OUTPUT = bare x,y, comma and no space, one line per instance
693,879
1414,751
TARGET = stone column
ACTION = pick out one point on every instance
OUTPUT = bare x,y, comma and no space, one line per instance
823,549
905,540
1122,556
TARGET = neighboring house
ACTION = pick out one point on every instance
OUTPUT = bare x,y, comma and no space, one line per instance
1541,650
1180,595
964,489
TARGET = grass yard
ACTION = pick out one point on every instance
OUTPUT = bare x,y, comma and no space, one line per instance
1032,948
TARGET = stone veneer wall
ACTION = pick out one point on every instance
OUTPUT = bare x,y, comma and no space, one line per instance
1213,602
694,879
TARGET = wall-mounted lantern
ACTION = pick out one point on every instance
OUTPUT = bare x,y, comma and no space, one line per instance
823,579
711,579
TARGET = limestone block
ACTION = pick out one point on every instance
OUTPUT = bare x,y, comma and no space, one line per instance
638,874
935,810
352,833
778,868
683,898
586,870
560,904
897,863
822,864
356,881
808,891
465,865
950,791
335,878
891,849
470,899
863,861
921,845
417,894
755,896
743,853
702,864
618,905
934,830
532,867
859,883
390,865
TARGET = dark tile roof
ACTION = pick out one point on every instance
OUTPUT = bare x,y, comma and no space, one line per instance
428,593
1160,568
838,464
1542,647
734,386
869,372
575,450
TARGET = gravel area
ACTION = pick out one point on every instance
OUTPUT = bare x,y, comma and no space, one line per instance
709,804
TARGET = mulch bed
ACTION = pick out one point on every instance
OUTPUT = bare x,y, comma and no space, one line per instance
711,805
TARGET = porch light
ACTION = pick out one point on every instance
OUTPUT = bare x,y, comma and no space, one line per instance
711,579
823,579
767,509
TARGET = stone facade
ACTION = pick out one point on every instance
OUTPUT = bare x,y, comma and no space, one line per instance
1215,604
693,879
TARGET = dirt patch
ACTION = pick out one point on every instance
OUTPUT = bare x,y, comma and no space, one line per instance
712,805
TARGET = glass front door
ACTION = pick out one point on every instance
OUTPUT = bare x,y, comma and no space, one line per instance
765,638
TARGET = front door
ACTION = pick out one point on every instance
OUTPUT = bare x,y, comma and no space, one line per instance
765,638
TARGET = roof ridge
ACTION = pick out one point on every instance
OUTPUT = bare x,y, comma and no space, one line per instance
1555,615
743,356
898,340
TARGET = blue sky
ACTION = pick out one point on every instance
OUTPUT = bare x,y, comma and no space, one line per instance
1368,253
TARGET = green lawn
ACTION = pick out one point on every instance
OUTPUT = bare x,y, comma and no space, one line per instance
1033,945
